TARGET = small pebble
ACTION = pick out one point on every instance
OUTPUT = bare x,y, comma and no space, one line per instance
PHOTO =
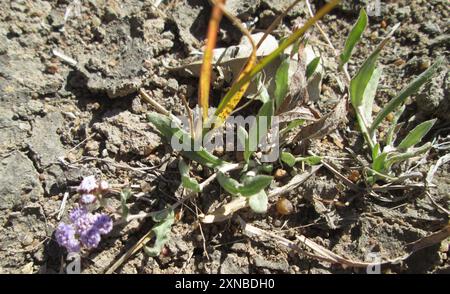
284,206
280,174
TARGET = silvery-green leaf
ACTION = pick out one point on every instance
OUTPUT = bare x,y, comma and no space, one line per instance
369,95
124,196
254,184
354,37
281,82
186,180
311,67
259,202
161,231
417,134
359,83
243,139
228,184
313,160
409,90
288,158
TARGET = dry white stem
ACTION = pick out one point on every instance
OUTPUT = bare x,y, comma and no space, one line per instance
64,57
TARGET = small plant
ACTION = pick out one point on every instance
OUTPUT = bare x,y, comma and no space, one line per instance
85,228
363,87
248,178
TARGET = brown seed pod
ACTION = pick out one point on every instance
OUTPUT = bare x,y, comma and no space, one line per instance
284,206
280,174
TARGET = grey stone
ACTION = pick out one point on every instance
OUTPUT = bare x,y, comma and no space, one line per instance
434,100
279,265
19,182
234,265
45,142
126,133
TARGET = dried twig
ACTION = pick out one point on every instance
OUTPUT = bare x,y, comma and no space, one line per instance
323,254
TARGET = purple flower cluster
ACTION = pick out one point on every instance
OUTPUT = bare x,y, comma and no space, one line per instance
89,189
85,230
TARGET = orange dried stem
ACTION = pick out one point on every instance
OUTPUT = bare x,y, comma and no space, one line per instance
206,69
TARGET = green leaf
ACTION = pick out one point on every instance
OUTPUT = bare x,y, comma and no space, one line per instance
253,185
417,134
379,163
359,83
243,139
262,94
292,125
409,90
161,231
186,180
266,111
312,66
281,82
250,186
163,124
204,157
124,196
354,37
369,95
259,202
230,185
376,151
288,158
391,135
312,160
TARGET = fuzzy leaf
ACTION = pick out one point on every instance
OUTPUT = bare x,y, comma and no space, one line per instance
124,196
161,231
255,184
288,158
243,139
292,125
259,202
281,82
312,66
379,163
312,160
249,187
230,185
359,83
369,95
186,180
409,90
417,134
354,37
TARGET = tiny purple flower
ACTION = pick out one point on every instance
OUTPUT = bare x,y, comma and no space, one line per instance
76,213
84,223
65,236
103,224
88,198
91,238
88,185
